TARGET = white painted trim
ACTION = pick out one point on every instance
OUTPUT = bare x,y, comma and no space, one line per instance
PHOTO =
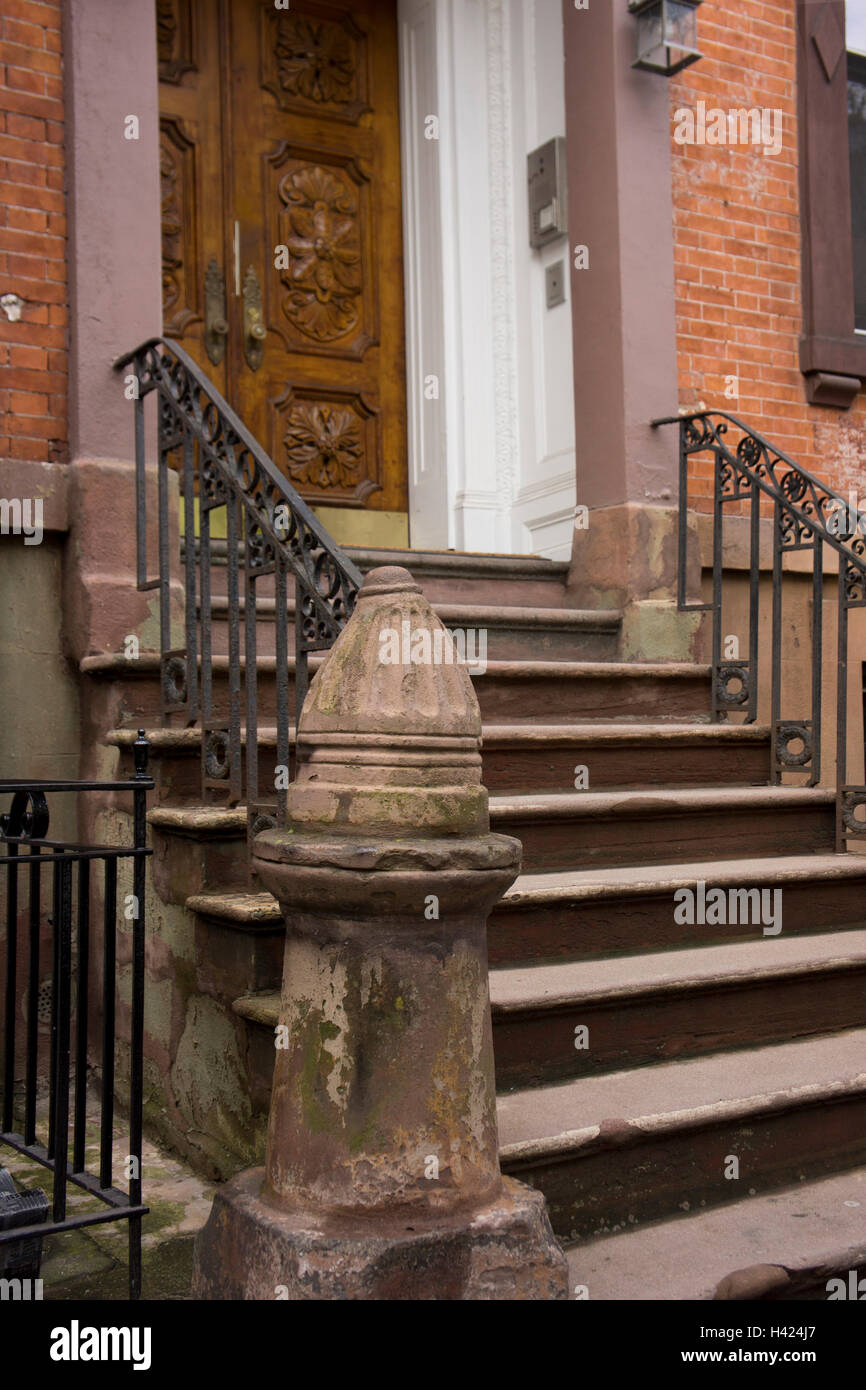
501,251
480,456
547,487
429,481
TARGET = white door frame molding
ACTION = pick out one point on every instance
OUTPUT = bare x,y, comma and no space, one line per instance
482,454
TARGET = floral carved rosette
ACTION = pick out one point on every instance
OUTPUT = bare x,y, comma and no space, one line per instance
324,273
315,61
324,445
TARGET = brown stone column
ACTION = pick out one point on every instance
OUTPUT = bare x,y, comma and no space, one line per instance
618,139
382,1178
115,270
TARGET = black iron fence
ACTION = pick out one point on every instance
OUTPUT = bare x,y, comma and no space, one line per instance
755,480
243,522
49,886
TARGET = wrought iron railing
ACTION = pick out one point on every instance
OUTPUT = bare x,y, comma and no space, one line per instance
270,539
755,479
63,914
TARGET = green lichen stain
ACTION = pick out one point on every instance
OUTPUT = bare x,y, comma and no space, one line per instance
382,1018
312,1037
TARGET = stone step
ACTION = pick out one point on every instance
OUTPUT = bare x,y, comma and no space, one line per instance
608,829
591,915
509,633
647,1143
545,757
548,917
199,846
525,757
782,1245
449,576
618,1149
460,577
512,692
594,829
652,1008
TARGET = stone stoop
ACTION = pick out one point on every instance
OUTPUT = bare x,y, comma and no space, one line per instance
705,1042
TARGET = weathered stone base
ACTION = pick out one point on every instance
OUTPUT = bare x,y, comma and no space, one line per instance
252,1250
627,558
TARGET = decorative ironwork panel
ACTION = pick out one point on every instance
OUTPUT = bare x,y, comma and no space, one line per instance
725,673
851,799
787,732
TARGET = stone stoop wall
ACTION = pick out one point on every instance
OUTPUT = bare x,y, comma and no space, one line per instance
737,251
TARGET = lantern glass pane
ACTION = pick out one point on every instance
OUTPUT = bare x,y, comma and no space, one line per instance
681,28
651,48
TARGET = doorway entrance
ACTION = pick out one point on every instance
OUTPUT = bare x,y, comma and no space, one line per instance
282,239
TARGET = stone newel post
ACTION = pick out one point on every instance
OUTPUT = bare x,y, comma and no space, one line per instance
381,1177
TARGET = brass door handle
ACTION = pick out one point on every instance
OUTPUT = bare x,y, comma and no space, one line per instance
254,328
215,323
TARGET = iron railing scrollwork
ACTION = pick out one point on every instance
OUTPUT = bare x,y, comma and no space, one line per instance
751,476
241,516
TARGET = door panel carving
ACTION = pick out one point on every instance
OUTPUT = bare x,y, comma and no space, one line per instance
175,39
181,301
326,275
328,442
315,60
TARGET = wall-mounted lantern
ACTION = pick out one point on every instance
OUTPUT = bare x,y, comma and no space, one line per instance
667,34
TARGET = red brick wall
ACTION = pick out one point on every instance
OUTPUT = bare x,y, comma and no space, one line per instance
33,353
737,249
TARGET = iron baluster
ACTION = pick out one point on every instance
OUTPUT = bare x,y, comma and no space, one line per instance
776,641
754,597
718,688
190,624
251,670
11,1003
79,1123
109,988
61,1028
281,599
34,920
817,659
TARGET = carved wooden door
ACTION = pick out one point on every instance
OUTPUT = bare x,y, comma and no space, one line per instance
285,123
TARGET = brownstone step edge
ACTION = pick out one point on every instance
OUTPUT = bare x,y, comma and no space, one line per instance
788,1244
616,1150
524,692
536,757
602,829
